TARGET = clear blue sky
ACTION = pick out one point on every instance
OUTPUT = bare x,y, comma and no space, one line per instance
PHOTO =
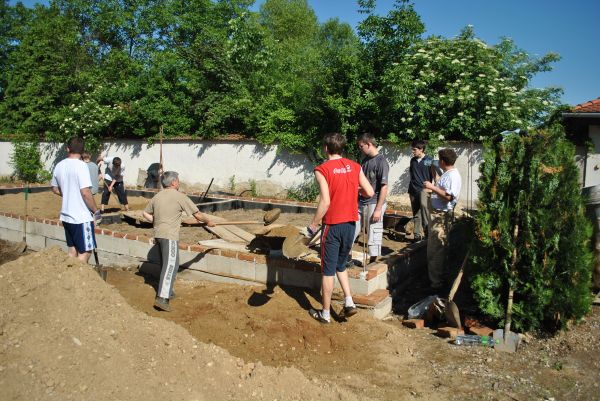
569,28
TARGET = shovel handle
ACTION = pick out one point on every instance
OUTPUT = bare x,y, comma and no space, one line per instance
458,278
240,222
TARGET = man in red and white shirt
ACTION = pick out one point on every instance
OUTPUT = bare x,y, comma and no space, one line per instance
339,181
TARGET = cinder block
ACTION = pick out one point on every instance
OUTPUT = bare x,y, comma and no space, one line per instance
200,275
62,244
10,235
45,230
382,309
449,332
298,278
265,274
113,244
360,286
414,323
139,249
36,242
11,223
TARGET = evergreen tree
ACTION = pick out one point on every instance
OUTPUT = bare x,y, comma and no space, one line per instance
531,232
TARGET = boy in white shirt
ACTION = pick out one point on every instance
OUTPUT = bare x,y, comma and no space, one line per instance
444,196
71,181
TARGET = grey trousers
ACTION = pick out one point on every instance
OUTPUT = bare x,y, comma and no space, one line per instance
420,207
374,230
169,256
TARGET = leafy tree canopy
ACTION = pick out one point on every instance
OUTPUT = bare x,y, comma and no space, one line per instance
206,68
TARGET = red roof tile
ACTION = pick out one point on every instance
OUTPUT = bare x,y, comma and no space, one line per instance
593,106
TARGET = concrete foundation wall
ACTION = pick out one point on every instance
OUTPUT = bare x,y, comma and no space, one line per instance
198,261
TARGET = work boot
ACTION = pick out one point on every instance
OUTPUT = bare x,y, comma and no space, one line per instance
162,304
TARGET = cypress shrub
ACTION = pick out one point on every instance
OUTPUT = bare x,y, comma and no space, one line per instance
532,232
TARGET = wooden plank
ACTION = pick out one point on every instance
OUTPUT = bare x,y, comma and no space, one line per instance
244,235
229,233
222,244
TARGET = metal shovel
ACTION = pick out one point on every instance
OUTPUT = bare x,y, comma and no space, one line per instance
101,270
450,309
506,340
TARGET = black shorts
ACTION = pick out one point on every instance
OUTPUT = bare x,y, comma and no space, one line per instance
336,244
81,236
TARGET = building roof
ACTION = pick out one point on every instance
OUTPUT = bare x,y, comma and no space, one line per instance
593,106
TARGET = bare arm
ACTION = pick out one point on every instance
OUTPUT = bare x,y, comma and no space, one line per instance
324,201
439,191
377,215
88,198
202,218
148,216
56,190
366,190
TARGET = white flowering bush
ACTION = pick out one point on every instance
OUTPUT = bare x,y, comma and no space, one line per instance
91,116
461,88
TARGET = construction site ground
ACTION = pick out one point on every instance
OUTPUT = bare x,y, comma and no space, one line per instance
66,334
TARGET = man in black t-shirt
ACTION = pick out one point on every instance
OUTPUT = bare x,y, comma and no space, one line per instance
371,210
420,171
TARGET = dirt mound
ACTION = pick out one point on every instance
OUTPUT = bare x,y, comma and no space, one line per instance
68,335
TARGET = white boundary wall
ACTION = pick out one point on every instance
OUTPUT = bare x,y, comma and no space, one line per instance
197,162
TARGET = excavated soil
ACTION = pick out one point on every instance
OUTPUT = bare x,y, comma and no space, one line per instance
67,335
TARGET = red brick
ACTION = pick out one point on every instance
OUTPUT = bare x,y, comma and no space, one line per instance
449,332
229,254
184,247
98,230
414,323
131,236
372,299
118,235
248,257
379,268
480,331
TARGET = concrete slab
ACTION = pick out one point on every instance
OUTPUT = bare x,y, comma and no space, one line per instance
11,235
36,242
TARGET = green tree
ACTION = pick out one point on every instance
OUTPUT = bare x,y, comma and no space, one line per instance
386,41
524,240
461,88
45,69
27,162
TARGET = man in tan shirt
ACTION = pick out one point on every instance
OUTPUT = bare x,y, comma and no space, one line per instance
165,211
